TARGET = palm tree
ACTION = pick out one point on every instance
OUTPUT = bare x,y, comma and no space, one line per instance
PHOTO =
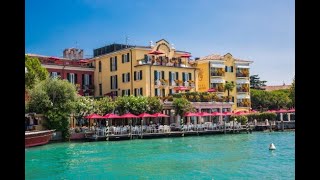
228,87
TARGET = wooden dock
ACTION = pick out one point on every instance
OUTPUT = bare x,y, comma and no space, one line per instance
117,137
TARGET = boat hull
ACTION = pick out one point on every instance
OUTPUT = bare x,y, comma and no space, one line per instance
37,138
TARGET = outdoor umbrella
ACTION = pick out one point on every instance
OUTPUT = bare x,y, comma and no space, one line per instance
157,115
156,52
129,115
145,115
186,55
111,116
292,110
212,90
282,111
94,116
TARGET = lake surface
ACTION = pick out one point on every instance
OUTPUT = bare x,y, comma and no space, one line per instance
238,156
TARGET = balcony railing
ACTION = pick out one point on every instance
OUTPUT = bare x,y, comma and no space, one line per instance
242,89
217,74
172,83
85,87
157,83
65,63
241,104
242,75
142,61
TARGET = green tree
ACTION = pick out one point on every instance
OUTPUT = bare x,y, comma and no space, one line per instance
228,87
154,105
292,92
55,98
84,106
105,105
35,72
181,106
133,104
256,83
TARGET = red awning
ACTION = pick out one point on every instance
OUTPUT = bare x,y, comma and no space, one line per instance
240,113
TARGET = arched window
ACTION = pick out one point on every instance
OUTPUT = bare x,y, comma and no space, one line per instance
99,66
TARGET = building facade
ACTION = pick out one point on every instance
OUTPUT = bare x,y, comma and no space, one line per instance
79,72
216,70
155,70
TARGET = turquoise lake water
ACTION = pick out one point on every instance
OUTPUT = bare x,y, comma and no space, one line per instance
239,156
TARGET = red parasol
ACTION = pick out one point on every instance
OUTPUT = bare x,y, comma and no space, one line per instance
186,55
227,113
217,114
191,114
111,116
155,52
205,114
181,88
145,115
282,111
240,113
212,90
272,111
292,110
94,116
128,115
160,115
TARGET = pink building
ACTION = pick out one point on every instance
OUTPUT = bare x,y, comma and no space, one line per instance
77,71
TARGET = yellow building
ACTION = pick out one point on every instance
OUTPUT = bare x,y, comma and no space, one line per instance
216,70
132,70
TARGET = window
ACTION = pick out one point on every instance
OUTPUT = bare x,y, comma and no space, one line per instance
113,63
125,58
138,75
99,66
186,76
86,79
229,68
54,74
172,77
126,92
72,78
114,82
157,92
100,89
126,77
138,92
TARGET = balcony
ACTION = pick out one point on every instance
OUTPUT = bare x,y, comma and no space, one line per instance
62,62
217,72
243,104
178,82
173,84
157,83
242,75
87,87
174,62
243,89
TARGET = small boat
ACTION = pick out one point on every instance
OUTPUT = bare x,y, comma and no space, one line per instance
272,147
36,138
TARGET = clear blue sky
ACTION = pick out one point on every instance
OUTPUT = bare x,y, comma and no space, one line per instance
262,31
